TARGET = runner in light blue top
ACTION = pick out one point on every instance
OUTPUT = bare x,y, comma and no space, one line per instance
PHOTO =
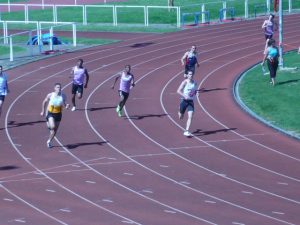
3,87
126,81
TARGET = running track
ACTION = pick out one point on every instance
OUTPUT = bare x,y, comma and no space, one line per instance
139,169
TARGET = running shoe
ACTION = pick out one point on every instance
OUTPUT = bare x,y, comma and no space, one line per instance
49,145
187,134
73,109
120,113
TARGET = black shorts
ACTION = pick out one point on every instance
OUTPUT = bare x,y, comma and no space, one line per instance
268,36
56,116
186,105
77,88
189,68
123,94
2,98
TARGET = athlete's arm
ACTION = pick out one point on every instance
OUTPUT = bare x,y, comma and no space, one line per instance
6,83
183,58
71,73
180,88
66,105
117,77
132,81
46,100
87,76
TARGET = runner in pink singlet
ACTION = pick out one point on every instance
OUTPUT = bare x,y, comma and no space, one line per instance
79,74
126,81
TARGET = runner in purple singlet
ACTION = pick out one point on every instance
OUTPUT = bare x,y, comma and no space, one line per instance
126,81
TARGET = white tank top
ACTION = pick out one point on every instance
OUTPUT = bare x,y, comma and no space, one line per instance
189,90
125,82
78,75
56,102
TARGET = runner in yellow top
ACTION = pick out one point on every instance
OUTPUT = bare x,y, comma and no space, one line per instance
56,101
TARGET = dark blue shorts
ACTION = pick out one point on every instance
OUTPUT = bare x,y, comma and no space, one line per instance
56,116
77,88
2,98
123,94
189,68
186,105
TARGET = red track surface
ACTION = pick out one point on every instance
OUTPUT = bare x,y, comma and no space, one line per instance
139,169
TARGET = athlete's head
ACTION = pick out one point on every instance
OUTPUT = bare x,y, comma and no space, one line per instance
57,87
190,75
271,17
127,68
271,42
79,62
193,48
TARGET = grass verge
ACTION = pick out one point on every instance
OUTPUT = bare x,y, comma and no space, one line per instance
279,105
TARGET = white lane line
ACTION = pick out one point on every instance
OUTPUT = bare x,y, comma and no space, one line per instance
189,147
237,223
50,190
278,213
20,220
164,166
210,202
128,174
109,200
185,182
90,182
67,210
282,183
248,192
149,191
170,211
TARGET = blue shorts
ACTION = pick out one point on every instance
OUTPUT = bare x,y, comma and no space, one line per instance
123,94
2,98
186,105
56,116
77,88
189,68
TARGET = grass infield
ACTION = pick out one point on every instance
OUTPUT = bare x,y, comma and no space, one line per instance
279,105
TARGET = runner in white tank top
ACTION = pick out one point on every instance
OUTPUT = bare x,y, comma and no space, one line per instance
79,75
187,90
126,82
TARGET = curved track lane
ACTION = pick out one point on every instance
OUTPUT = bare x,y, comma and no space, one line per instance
139,169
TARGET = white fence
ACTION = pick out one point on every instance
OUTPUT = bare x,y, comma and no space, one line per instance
27,8
8,38
115,10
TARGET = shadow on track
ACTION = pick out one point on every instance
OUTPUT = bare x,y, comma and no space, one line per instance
76,145
139,117
8,168
199,132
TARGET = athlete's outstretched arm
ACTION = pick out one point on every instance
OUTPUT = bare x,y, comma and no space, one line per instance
46,100
116,79
87,78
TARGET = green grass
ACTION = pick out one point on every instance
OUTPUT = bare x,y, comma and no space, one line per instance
278,104
11,1
4,50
